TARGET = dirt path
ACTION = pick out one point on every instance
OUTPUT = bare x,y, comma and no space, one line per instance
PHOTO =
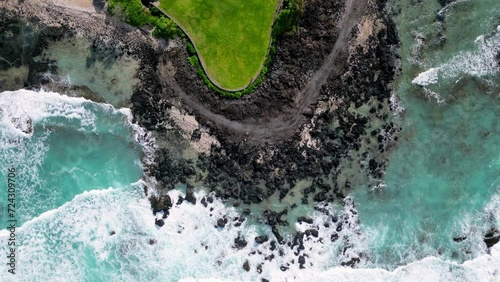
284,126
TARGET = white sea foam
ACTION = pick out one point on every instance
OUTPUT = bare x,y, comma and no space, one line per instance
190,248
20,106
47,112
188,245
478,62
484,268
427,77
25,108
145,139
396,106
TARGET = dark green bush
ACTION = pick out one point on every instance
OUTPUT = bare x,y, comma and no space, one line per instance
134,13
288,18
190,48
165,28
155,11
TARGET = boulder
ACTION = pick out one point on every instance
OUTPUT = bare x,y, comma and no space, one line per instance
305,219
221,222
240,243
277,235
246,266
491,238
159,222
261,239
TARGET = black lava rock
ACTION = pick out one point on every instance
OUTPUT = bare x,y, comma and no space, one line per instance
302,261
240,243
246,266
190,195
159,222
277,235
204,202
491,238
351,263
221,222
261,239
312,232
305,219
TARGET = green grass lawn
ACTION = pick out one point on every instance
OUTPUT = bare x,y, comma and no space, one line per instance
232,36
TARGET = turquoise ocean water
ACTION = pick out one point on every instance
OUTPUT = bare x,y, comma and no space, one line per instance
83,215
443,180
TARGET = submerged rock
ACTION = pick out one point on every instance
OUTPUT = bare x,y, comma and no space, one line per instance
459,238
25,124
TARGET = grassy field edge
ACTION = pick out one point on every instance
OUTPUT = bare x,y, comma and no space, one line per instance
286,18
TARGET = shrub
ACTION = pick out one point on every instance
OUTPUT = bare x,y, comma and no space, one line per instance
288,18
190,48
134,13
165,28
155,11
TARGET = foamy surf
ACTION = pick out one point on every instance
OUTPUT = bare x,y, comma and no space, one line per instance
117,226
478,62
23,108
483,268
60,144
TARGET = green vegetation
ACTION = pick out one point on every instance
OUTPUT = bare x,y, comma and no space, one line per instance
134,13
232,36
193,59
286,22
288,17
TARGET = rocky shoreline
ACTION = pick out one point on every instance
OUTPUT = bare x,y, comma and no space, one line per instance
319,126
322,114
347,126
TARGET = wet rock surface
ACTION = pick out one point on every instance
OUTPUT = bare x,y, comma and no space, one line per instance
491,238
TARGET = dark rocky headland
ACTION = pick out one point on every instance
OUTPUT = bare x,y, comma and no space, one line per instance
318,126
